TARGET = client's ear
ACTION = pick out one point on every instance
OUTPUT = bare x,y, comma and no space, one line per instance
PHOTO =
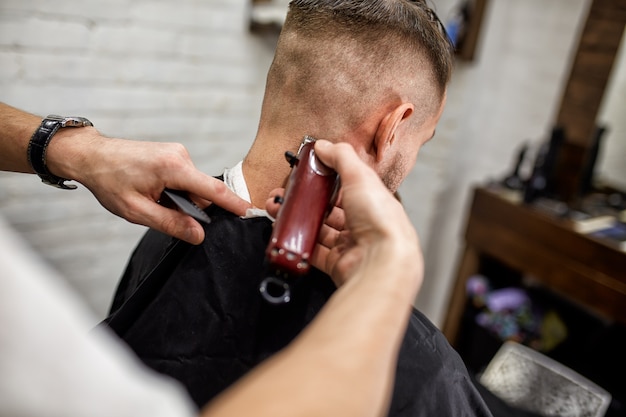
386,132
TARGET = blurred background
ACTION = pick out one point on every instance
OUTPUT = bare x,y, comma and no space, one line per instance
193,71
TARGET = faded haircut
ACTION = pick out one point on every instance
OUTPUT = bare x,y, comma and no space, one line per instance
374,22
351,56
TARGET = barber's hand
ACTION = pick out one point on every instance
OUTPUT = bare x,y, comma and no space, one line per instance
127,177
333,224
376,233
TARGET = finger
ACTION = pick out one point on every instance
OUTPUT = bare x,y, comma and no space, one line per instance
210,189
336,219
328,236
277,191
343,159
364,195
272,204
199,201
168,221
327,260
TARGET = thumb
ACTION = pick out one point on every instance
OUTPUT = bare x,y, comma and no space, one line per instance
343,158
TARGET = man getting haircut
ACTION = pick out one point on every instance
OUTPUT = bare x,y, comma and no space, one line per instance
372,73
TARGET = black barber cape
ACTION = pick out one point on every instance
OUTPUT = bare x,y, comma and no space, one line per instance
195,313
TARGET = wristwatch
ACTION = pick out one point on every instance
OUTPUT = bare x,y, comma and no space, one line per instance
39,143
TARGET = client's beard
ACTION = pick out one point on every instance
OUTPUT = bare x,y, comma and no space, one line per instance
395,174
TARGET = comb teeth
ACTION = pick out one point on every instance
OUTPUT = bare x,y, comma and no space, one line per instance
183,202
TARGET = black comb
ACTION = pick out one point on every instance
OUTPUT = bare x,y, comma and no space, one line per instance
181,200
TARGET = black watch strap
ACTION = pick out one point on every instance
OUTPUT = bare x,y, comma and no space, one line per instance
39,143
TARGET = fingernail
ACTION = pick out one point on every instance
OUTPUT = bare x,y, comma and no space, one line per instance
322,143
194,236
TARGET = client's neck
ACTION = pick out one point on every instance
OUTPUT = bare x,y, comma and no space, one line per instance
265,167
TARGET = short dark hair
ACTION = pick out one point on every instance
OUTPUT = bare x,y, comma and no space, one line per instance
411,22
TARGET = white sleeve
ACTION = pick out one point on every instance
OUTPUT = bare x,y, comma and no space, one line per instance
53,365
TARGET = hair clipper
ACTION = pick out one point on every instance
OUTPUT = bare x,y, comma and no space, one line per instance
309,197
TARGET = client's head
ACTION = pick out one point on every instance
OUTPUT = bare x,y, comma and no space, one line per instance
372,73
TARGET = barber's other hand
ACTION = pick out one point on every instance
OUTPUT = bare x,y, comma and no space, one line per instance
127,177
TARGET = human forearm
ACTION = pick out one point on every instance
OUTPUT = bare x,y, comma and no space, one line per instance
16,128
64,154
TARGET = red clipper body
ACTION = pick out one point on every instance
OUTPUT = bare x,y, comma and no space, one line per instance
309,196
